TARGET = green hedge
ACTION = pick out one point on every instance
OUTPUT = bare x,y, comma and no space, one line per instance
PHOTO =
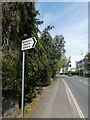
72,72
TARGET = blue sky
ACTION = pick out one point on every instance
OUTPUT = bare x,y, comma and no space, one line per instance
70,19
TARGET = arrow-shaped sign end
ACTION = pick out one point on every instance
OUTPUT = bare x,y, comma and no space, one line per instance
35,41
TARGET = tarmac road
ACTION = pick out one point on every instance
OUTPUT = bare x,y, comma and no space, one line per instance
79,88
56,102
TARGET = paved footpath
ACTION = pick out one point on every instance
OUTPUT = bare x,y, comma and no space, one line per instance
55,103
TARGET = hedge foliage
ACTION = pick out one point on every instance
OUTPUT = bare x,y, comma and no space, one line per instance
20,22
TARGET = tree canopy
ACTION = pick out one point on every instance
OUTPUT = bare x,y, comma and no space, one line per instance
20,22
87,62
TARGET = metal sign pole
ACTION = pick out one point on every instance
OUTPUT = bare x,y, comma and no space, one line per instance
26,44
23,62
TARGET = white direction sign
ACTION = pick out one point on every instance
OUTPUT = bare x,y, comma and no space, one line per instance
29,43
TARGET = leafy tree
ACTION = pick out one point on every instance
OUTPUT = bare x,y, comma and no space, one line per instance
87,62
59,43
20,22
46,42
57,52
63,62
10,25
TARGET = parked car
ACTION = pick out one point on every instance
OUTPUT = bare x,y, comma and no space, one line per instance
70,75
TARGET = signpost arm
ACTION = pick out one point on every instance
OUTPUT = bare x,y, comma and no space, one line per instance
23,62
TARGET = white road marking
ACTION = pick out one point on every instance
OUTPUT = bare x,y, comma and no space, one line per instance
80,80
83,82
86,83
75,102
75,115
68,97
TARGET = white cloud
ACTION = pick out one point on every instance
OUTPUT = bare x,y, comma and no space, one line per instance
46,20
76,36
72,23
78,39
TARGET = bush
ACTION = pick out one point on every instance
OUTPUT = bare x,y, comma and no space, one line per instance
71,72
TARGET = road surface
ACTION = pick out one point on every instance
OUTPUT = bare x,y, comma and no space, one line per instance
67,97
79,88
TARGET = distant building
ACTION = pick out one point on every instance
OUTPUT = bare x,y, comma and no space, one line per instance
75,63
62,70
80,67
73,60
